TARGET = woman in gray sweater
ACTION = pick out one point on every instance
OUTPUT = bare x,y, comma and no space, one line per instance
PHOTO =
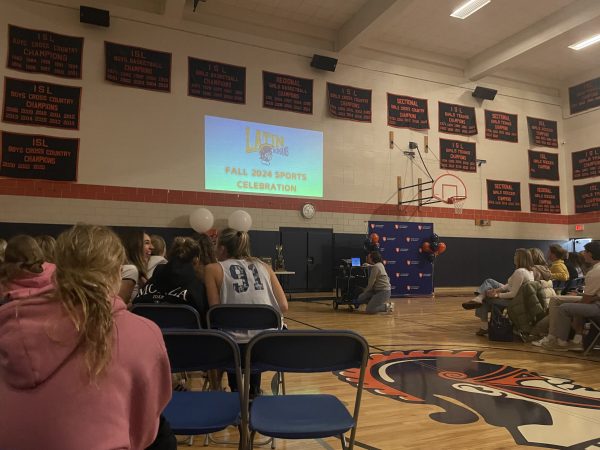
378,291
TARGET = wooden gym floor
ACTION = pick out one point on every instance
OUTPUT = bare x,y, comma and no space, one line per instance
470,394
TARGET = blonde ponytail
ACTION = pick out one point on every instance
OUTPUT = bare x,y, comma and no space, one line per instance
88,273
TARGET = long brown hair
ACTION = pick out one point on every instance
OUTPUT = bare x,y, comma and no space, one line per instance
133,242
207,249
523,259
88,274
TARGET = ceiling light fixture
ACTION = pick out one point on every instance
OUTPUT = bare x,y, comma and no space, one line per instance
586,43
469,8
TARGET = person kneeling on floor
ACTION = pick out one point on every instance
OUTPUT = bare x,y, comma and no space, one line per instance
378,291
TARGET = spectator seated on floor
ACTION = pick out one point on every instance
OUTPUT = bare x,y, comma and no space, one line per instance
575,309
529,306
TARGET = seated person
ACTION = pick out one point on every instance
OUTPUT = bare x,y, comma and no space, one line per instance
138,249
575,273
24,272
378,291
540,268
179,281
239,278
492,292
556,256
574,308
157,254
79,371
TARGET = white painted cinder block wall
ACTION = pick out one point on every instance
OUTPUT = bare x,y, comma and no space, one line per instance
137,138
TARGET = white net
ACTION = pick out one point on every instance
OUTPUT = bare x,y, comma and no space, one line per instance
458,203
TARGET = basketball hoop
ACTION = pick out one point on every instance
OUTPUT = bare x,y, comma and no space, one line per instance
458,203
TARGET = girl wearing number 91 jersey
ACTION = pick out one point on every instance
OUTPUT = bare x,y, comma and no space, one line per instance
238,278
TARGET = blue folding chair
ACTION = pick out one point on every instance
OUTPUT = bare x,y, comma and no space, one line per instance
305,416
243,317
195,413
168,316
236,317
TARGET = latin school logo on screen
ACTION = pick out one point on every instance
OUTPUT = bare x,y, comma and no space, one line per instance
422,227
424,275
412,262
400,227
266,145
412,239
402,274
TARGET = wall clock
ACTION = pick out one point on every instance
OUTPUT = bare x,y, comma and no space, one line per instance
308,210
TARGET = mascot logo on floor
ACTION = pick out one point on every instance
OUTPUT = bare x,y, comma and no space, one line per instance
537,410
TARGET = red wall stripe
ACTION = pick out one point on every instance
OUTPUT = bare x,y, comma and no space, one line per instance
42,188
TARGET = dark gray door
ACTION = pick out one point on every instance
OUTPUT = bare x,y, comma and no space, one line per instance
320,260
294,242
309,253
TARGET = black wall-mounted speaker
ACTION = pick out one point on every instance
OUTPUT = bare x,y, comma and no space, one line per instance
94,16
324,63
484,93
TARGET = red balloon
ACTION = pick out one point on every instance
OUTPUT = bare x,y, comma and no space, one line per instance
374,238
441,248
426,247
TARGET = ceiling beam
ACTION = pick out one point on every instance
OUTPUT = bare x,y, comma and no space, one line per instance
373,17
562,21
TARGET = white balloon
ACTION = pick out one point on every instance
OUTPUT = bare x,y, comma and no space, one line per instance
201,220
240,220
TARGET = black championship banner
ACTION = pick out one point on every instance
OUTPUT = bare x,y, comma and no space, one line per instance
458,155
505,195
501,126
584,96
407,112
41,104
44,52
542,132
39,157
138,67
586,163
216,81
543,165
350,103
287,93
587,197
544,199
456,119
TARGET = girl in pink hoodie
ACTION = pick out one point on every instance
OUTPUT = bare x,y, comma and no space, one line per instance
77,370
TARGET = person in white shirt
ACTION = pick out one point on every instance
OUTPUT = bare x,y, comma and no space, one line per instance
572,309
238,278
138,248
493,292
